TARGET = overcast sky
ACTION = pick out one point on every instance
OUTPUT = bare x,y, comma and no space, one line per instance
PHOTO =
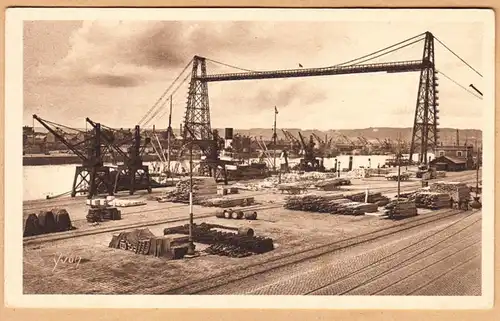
113,72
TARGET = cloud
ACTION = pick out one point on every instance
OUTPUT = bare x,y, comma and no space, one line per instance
123,54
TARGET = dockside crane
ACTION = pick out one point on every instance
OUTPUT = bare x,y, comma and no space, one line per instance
309,162
91,176
295,144
133,175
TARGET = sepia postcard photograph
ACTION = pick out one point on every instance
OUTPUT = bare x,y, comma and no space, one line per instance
249,158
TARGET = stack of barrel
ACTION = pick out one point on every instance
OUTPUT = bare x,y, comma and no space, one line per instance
47,221
238,214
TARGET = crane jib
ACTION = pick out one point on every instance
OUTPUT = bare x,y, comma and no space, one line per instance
390,67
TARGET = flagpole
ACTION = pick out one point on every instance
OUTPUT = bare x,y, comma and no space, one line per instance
274,138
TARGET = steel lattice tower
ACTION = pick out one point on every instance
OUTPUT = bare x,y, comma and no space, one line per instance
197,117
425,132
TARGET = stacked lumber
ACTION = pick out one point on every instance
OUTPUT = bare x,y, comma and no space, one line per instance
456,190
227,202
312,203
432,200
293,188
202,188
332,183
329,204
126,203
374,198
401,209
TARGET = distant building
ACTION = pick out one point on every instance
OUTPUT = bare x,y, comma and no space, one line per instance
449,163
454,158
455,151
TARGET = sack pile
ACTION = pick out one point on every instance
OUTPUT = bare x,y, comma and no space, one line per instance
55,220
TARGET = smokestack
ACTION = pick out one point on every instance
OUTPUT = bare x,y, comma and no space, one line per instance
458,138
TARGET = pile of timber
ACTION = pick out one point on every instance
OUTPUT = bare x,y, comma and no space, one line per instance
334,204
312,203
332,184
456,190
401,208
202,188
243,243
55,220
227,202
293,188
142,241
374,198
432,200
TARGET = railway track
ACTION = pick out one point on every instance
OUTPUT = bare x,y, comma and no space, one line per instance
384,270
43,238
305,253
65,235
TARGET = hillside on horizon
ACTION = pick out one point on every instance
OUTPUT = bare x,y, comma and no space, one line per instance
446,135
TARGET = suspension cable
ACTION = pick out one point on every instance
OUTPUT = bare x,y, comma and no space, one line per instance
163,105
164,93
461,86
378,51
385,53
477,72
231,66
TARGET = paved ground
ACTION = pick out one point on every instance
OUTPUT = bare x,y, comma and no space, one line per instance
436,259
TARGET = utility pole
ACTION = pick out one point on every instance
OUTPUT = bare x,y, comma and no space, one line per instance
169,130
274,138
398,158
190,250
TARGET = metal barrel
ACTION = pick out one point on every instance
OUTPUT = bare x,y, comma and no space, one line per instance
239,214
228,213
247,231
251,215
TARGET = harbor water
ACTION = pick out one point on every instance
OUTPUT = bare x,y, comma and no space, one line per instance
40,181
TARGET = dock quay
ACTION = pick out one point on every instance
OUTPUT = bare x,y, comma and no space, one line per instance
362,254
